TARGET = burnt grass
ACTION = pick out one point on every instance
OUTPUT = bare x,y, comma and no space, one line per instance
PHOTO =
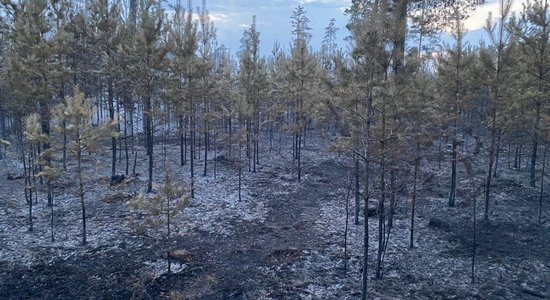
287,245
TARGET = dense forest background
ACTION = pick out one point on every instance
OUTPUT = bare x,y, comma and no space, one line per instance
140,89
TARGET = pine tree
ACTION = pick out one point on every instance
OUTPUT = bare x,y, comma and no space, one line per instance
164,207
207,36
226,95
33,137
370,38
104,24
533,33
150,53
300,80
183,41
34,67
452,81
421,120
76,113
499,37
248,82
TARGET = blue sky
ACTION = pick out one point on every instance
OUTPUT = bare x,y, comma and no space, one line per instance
231,17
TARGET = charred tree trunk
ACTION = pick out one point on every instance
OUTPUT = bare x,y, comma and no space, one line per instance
495,172
346,230
452,194
168,234
240,165
535,145
185,138
126,150
392,198
490,168
357,193
381,212
182,138
110,101
51,216
413,202
192,149
542,182
31,185
206,146
149,140
364,275
81,190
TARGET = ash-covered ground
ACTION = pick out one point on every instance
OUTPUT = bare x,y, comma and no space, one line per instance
283,240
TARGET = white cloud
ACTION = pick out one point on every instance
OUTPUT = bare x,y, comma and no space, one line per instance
214,17
219,17
326,2
479,19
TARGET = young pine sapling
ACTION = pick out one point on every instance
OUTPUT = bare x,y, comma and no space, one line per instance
76,113
163,207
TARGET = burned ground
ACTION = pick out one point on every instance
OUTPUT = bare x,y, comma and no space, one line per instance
284,240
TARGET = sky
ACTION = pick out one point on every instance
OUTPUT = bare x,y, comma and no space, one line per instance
232,17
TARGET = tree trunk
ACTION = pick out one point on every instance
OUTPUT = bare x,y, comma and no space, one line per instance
473,231
248,147
381,212
240,165
192,149
168,233
31,185
182,138
215,153
185,138
271,125
110,101
357,193
81,191
535,145
490,170
452,194
299,154
135,163
413,202
364,275
118,131
149,140
254,147
51,217
392,197
126,153
230,146
495,172
205,150
346,230
542,182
